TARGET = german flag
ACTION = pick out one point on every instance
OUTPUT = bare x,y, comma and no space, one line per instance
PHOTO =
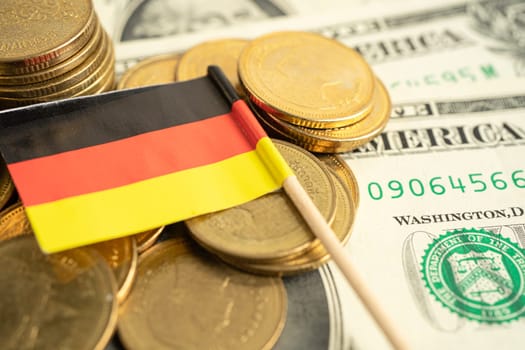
96,168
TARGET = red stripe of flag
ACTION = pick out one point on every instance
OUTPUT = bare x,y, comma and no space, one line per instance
129,160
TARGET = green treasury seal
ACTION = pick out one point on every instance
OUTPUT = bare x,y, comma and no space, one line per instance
477,275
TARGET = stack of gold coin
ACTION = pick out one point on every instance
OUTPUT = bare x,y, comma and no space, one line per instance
313,91
58,301
268,235
52,50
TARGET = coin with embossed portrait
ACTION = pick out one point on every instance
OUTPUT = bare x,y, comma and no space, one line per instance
307,79
184,299
57,301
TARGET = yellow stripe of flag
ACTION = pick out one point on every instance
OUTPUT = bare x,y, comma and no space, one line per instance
181,195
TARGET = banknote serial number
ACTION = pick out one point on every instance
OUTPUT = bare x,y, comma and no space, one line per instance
482,72
440,185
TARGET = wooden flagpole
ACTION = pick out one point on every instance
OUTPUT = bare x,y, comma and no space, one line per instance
322,230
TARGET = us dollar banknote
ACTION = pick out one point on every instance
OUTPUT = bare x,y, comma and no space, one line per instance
129,20
463,44
441,227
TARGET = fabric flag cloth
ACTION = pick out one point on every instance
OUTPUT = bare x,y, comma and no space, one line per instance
96,168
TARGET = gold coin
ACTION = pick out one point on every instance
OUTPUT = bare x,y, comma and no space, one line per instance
14,222
63,67
147,239
341,139
151,71
184,299
39,34
57,301
317,256
121,255
223,53
338,165
269,227
90,84
60,83
6,184
307,79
